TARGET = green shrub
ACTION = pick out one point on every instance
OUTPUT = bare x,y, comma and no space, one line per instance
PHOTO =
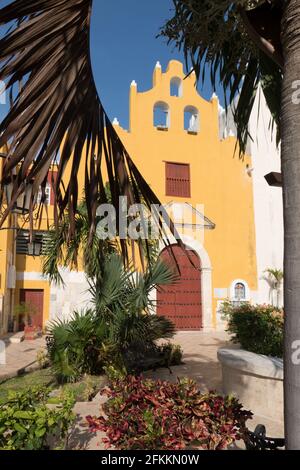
171,354
122,298
257,328
155,357
132,339
27,423
120,331
86,345
143,414
76,347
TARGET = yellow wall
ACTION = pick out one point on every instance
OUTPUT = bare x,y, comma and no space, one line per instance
23,264
219,179
7,257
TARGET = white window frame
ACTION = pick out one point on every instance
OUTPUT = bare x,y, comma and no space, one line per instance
48,195
194,121
176,82
247,291
165,108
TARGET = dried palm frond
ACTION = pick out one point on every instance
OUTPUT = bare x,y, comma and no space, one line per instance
217,40
56,114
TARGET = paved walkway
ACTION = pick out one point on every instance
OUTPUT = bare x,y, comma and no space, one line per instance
200,361
19,356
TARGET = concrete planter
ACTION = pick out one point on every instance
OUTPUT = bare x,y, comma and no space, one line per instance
255,379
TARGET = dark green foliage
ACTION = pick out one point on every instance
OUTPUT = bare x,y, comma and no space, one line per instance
123,298
26,423
143,414
75,347
120,330
165,355
62,251
172,354
257,328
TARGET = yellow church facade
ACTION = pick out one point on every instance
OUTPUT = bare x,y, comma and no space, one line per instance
185,138
174,139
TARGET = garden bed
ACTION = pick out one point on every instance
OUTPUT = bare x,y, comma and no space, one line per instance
83,390
145,414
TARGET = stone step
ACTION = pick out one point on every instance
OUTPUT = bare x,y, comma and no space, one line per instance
15,338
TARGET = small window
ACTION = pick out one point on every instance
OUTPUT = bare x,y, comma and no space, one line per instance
47,195
176,87
191,120
239,291
161,116
178,181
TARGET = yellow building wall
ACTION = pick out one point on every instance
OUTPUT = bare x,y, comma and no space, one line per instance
219,179
7,259
28,268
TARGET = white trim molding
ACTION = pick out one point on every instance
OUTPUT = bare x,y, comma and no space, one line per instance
30,276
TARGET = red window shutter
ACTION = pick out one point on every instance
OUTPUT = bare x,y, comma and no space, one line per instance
178,181
52,176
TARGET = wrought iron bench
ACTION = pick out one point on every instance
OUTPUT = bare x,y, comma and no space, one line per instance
258,440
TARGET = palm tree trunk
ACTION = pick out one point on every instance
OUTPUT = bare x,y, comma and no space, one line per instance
290,120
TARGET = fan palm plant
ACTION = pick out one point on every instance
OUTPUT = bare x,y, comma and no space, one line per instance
217,38
119,287
120,330
76,346
62,251
124,300
275,278
242,44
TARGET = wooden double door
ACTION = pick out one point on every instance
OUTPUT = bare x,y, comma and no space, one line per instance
181,302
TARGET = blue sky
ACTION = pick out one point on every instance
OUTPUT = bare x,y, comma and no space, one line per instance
124,47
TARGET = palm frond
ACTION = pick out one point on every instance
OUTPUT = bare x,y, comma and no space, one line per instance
109,289
216,42
57,116
62,251
159,274
139,331
75,345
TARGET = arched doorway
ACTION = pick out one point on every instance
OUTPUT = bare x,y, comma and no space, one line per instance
181,302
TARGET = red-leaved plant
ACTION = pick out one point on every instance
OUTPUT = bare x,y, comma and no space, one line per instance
144,414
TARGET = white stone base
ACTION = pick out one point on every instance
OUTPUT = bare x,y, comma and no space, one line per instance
256,380
17,338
